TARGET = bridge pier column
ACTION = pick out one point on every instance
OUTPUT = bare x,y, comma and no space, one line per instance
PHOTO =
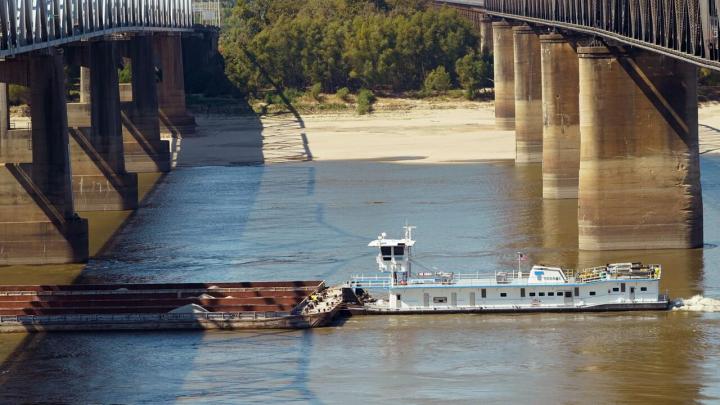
561,117
486,35
528,96
639,182
38,223
174,119
144,150
100,181
504,73
4,110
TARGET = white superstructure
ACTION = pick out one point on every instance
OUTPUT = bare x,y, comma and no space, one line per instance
620,286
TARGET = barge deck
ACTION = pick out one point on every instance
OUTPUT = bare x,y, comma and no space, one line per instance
243,305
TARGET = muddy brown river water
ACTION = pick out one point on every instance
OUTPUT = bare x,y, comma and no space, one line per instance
313,220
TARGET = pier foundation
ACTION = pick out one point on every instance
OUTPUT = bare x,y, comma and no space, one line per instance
175,121
639,185
100,181
528,96
38,223
144,150
504,73
561,117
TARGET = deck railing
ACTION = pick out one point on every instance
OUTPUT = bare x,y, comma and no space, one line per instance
27,25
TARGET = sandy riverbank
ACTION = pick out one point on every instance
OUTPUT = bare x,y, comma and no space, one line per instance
423,134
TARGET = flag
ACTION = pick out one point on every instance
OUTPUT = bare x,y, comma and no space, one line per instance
521,256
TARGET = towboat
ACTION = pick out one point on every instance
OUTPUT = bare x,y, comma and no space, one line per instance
398,289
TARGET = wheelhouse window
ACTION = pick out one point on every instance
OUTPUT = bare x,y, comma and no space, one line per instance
386,252
439,300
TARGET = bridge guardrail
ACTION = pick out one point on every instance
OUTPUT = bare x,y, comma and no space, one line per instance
684,29
27,25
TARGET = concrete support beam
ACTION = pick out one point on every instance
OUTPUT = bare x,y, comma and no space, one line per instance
38,224
85,84
175,121
100,181
504,73
528,96
561,117
486,35
639,182
144,150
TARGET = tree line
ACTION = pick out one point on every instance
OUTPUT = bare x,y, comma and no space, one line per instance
389,45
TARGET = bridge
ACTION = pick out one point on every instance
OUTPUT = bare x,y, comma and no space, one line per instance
603,93
86,155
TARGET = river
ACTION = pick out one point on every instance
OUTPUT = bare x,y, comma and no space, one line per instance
314,220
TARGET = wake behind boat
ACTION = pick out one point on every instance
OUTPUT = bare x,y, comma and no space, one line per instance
399,289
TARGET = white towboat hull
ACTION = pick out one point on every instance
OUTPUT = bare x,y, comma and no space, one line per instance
630,306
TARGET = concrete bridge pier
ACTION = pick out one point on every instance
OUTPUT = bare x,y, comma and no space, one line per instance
486,35
38,223
528,95
561,117
504,75
639,184
144,150
175,121
100,181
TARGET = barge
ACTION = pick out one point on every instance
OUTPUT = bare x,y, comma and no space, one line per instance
244,305
400,290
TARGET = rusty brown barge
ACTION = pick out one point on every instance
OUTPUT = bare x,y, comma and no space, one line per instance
242,305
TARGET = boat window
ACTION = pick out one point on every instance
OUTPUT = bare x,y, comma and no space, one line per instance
503,294
592,292
551,294
643,288
615,289
622,287
399,250
577,291
386,252
522,292
542,294
532,294
568,294
439,300
483,293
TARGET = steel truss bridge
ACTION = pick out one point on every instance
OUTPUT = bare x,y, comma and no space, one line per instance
683,29
28,25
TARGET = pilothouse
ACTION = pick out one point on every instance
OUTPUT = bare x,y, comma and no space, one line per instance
399,289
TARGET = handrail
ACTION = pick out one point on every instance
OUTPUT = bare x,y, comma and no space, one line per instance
26,25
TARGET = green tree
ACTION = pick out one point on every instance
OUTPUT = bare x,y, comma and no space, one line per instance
474,73
437,81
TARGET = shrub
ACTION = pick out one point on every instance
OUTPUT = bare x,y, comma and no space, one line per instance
18,95
437,81
315,92
125,74
343,94
474,72
365,100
